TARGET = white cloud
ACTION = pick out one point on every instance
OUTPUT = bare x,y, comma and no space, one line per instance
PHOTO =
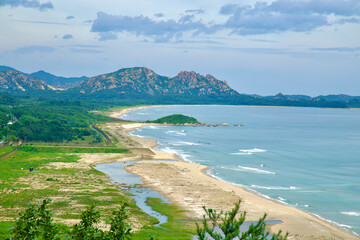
27,4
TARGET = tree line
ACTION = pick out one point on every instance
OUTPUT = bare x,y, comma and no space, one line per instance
36,222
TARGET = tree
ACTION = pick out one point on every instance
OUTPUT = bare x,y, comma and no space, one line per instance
35,223
86,229
120,228
230,226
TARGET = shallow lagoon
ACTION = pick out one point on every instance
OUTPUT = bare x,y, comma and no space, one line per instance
133,185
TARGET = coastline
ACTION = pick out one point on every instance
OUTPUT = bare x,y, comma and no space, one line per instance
190,187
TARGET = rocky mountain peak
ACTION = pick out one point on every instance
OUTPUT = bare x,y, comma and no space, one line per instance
141,80
14,80
188,75
280,95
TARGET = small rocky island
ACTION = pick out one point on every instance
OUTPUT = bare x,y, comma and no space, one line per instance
182,120
176,119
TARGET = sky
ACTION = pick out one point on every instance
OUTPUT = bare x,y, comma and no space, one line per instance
264,47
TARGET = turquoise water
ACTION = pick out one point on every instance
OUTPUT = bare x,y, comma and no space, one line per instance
308,158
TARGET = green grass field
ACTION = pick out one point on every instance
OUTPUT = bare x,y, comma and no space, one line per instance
72,187
6,150
72,149
88,141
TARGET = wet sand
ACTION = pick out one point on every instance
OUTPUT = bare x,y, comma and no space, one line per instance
188,186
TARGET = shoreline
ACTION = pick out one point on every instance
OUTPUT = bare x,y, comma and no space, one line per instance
189,179
130,109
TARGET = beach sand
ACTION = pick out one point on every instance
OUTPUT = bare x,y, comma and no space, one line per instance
189,187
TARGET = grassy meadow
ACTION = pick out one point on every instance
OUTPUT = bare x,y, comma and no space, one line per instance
65,175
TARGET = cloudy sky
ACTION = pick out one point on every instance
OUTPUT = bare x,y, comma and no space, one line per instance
258,46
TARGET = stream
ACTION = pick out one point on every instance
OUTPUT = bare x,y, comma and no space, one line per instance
132,183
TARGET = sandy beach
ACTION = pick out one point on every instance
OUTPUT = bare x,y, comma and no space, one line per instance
188,186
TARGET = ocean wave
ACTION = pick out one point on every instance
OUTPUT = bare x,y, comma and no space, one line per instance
356,214
138,129
343,226
300,205
260,194
254,150
183,143
275,187
282,200
153,127
176,133
249,151
249,169
182,154
136,135
211,173
201,160
241,153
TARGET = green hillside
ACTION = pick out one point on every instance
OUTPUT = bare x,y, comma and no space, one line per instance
176,119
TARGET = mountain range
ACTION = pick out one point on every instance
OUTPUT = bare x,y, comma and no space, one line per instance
143,83
56,81
16,81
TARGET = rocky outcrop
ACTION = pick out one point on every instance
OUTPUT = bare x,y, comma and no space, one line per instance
141,80
16,81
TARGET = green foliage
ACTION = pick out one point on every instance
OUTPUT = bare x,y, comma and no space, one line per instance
4,119
120,228
86,229
178,226
5,227
230,226
6,98
175,119
71,149
6,149
54,123
34,223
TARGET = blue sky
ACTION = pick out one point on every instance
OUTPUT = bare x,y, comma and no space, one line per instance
291,46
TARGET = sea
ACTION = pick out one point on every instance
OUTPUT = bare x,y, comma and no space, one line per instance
307,158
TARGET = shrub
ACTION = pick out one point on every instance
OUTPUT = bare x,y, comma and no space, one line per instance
34,223
230,226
